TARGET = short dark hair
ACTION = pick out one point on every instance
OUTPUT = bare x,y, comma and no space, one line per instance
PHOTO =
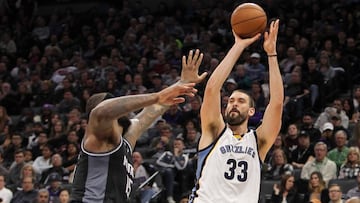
251,100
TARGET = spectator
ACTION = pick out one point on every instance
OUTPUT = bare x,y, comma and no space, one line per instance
141,175
291,141
54,186
279,166
40,143
353,200
327,135
191,141
27,171
5,194
339,154
335,109
5,119
3,171
351,166
296,98
64,196
288,63
194,111
324,117
70,156
285,191
68,102
174,116
314,79
28,192
303,152
8,99
258,95
41,31
255,69
278,144
43,162
28,156
15,145
57,129
56,162
317,188
335,194
15,170
32,140
240,76
171,162
229,86
336,121
356,98
354,192
7,44
42,196
162,143
321,163
351,112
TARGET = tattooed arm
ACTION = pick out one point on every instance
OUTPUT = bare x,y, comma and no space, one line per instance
142,122
189,73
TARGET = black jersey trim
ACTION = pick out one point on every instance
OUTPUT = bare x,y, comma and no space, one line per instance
102,153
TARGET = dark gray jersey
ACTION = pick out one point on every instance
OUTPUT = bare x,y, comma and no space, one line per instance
103,177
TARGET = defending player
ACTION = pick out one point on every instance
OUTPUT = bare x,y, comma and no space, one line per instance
104,171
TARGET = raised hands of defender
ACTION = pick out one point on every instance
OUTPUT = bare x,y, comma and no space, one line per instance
172,95
190,67
271,37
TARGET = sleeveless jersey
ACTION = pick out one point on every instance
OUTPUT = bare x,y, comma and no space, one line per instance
228,170
103,177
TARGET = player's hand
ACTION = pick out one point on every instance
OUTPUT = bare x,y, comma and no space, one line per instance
172,95
190,67
247,41
271,37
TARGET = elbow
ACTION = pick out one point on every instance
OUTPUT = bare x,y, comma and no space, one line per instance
100,113
211,88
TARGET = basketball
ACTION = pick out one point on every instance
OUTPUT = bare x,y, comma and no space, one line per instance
248,19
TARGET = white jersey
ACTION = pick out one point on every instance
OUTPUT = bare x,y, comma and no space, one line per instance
228,170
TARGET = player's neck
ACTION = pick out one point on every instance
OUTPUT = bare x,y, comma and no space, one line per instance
239,129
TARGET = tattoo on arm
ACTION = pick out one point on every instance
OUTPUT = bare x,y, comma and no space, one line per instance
145,118
117,107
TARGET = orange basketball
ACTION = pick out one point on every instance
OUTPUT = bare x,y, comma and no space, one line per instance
248,19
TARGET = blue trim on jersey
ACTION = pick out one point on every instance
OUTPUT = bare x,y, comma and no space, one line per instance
202,156
257,148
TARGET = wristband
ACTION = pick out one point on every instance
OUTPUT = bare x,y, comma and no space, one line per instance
272,55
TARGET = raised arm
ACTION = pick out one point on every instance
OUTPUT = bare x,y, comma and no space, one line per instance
271,124
211,118
146,117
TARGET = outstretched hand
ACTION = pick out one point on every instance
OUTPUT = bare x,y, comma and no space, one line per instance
190,67
271,37
246,41
172,95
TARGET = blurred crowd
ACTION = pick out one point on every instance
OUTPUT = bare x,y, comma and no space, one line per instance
50,64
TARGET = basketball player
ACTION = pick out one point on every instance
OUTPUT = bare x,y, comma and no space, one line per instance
229,153
104,171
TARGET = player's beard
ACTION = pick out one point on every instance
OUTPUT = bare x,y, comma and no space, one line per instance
235,120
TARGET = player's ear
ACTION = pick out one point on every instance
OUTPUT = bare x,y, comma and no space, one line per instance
251,111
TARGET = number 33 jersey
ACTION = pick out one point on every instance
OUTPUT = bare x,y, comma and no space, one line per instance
228,170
